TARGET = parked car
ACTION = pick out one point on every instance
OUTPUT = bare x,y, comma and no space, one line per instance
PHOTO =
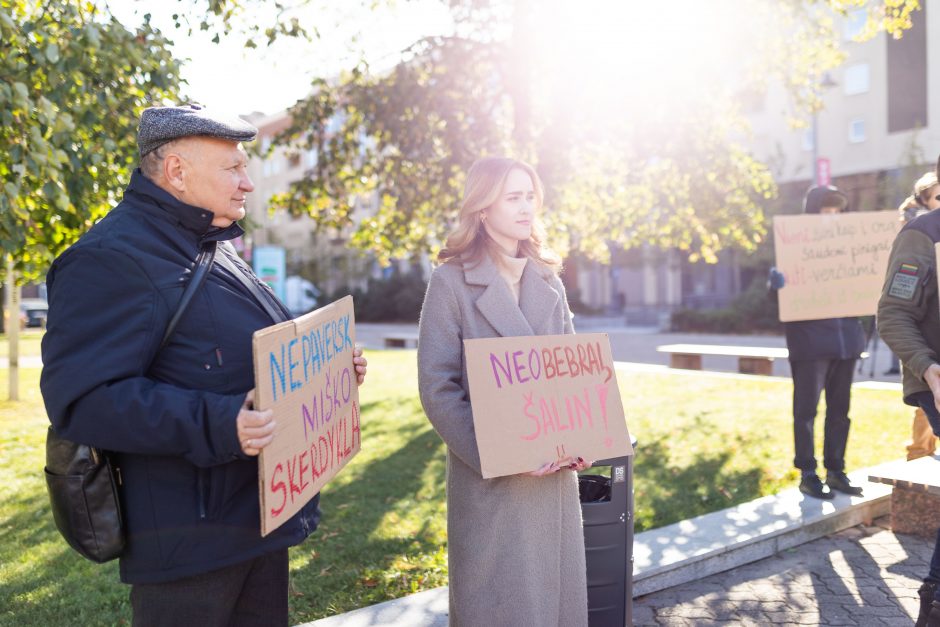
300,295
33,312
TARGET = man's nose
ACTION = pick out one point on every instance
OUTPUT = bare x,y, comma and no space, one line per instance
246,183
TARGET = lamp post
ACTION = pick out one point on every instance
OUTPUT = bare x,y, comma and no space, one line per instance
825,83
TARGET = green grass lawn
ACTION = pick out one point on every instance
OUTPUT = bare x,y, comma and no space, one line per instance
705,442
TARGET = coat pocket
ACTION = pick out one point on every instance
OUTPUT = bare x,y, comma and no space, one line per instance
210,488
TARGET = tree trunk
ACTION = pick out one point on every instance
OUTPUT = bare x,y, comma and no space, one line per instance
12,328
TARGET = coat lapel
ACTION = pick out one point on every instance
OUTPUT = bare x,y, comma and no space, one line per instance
496,303
537,298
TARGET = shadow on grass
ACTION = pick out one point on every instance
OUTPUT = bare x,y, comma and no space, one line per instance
665,492
46,583
378,538
54,585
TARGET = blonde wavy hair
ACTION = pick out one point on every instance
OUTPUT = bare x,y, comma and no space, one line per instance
916,204
469,241
922,186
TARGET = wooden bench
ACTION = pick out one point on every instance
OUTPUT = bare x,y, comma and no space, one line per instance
915,495
400,340
751,359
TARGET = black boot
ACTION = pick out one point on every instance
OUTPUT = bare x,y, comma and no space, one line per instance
840,481
812,486
933,619
926,593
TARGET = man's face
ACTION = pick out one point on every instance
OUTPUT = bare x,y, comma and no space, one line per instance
215,177
834,209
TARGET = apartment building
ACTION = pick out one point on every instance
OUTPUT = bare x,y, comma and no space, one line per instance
876,122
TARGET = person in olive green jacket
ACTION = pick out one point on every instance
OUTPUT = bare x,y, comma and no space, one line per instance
909,323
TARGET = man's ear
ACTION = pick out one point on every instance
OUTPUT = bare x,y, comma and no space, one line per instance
173,171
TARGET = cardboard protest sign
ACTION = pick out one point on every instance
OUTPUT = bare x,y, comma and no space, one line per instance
304,372
834,264
538,399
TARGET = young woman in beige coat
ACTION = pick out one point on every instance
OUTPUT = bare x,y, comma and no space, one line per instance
516,545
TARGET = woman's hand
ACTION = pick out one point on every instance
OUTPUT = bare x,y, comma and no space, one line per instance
551,467
566,463
580,464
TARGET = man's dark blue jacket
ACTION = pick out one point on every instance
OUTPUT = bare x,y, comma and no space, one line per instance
190,495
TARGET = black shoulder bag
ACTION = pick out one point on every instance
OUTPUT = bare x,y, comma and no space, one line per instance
81,480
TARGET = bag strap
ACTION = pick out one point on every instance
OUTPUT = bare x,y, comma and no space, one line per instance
253,288
200,272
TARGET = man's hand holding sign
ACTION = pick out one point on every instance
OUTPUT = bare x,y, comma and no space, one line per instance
305,414
541,403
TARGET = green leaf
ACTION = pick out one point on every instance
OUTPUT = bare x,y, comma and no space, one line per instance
52,53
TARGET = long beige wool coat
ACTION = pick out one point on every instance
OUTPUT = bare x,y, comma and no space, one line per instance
516,546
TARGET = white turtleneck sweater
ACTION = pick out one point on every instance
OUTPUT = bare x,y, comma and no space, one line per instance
511,269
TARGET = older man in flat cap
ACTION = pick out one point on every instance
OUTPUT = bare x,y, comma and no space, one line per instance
175,411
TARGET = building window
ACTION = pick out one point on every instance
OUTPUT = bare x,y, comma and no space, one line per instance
854,24
857,79
857,130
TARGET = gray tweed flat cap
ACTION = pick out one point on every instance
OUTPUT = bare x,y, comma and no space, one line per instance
159,125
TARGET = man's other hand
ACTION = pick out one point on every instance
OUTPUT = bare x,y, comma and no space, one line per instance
932,379
360,362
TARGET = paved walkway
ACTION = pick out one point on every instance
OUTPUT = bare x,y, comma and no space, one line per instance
638,344
860,576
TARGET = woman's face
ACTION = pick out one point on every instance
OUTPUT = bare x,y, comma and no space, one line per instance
929,197
509,220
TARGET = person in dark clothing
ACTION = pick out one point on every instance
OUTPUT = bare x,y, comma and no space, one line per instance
823,355
179,419
909,322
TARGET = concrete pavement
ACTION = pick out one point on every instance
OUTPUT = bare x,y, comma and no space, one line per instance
864,575
632,344
638,344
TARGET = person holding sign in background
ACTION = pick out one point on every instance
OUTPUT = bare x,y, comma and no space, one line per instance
909,323
516,544
823,354
178,417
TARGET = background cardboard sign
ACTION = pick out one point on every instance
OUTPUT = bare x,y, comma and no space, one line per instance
538,399
834,265
304,372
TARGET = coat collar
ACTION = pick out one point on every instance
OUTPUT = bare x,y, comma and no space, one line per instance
537,298
190,217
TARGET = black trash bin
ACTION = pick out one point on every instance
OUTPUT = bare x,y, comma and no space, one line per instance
607,509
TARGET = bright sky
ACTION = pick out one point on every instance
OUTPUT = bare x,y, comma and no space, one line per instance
606,59
226,76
